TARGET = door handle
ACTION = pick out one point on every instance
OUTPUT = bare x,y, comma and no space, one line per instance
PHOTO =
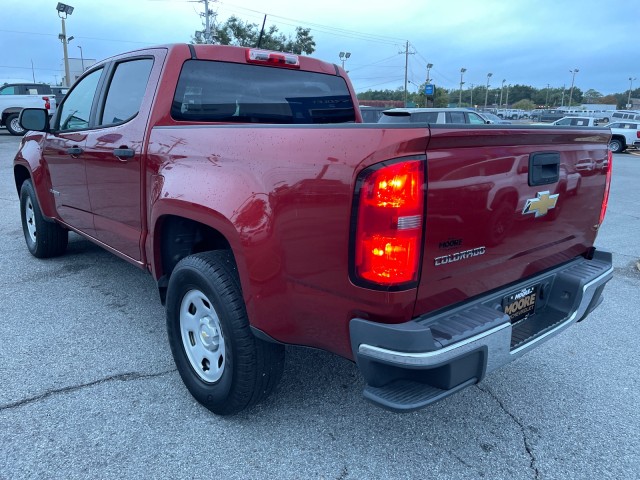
74,151
123,153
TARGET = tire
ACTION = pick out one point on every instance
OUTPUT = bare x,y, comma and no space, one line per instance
13,125
615,145
44,238
605,120
222,364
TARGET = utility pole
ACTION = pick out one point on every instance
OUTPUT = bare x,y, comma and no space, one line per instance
207,25
506,102
406,68
471,90
546,102
33,73
501,89
564,87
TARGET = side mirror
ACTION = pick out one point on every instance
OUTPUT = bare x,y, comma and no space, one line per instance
36,119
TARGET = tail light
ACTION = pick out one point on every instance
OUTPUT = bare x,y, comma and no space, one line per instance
605,199
47,104
387,239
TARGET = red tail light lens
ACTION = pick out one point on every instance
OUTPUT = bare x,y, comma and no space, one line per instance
47,103
388,237
605,199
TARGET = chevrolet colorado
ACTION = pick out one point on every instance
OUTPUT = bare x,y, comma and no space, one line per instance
244,181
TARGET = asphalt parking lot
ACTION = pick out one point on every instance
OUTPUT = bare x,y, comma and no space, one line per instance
89,389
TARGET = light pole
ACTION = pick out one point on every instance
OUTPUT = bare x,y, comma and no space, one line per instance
506,102
471,93
81,58
462,70
573,78
344,56
486,95
63,12
429,67
631,79
501,89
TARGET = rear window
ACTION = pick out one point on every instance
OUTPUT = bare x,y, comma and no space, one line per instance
232,92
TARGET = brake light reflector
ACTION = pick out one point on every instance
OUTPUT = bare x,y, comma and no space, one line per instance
605,198
275,59
388,235
47,103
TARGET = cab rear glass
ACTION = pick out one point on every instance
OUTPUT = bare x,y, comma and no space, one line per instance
210,91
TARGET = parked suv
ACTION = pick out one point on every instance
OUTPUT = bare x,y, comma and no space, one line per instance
16,96
623,135
431,115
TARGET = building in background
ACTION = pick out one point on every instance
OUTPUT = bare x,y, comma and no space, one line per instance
76,67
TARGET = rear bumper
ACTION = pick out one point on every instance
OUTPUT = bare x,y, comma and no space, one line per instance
411,365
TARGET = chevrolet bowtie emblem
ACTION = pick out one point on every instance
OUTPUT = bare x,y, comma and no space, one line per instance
541,204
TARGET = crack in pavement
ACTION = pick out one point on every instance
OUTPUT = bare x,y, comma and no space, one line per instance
523,429
123,377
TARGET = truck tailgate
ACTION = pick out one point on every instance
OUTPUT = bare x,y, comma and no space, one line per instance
505,204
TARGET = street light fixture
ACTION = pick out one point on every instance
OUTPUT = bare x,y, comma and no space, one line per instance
344,56
631,79
64,11
486,95
573,78
462,70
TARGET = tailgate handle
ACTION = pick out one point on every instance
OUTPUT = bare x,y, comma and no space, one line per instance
544,168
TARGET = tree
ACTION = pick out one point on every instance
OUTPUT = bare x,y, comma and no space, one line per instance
524,104
244,34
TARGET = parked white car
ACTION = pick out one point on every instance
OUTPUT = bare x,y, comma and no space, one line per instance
576,122
624,134
16,96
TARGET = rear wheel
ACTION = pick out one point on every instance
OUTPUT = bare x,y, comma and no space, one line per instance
44,238
615,145
13,125
222,364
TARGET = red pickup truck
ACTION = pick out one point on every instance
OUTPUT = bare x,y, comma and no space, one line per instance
244,181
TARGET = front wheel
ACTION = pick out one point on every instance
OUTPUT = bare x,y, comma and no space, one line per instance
13,125
44,238
615,145
222,364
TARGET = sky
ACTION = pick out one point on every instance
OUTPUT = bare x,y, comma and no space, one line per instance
527,42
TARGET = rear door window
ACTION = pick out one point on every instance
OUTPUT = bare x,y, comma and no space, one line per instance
233,92
455,117
126,91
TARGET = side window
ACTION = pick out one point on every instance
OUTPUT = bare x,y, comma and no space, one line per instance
8,91
455,117
126,91
76,109
475,119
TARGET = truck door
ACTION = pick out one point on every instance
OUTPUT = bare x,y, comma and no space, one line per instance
63,152
113,153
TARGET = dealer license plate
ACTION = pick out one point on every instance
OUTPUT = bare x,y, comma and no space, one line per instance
521,304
